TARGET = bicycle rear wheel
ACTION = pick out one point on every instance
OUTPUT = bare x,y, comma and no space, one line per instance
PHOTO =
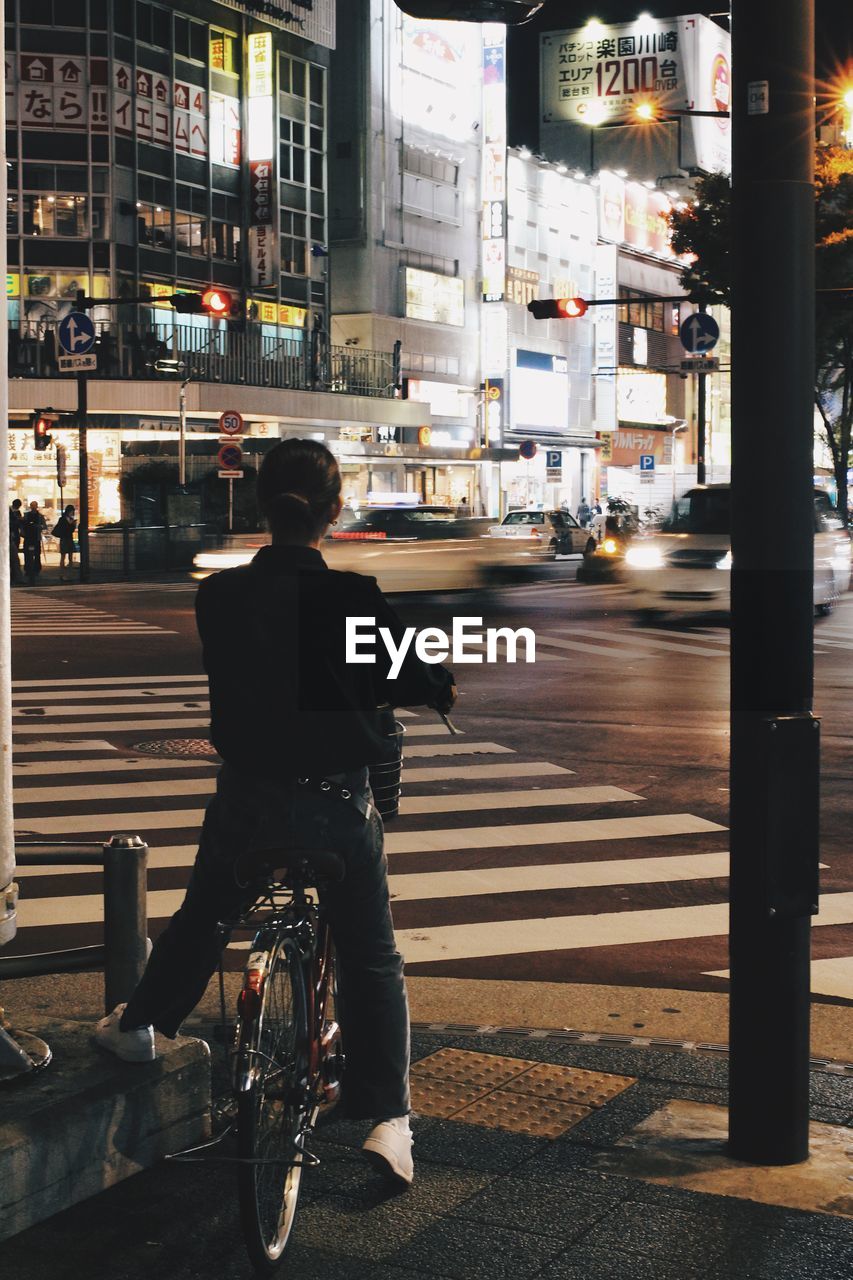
275,1109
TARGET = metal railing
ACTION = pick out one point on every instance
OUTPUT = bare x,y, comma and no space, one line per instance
124,950
223,354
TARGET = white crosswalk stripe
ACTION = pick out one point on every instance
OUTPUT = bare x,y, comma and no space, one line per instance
463,869
47,617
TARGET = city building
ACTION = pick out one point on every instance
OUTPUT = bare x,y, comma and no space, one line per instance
153,151
418,139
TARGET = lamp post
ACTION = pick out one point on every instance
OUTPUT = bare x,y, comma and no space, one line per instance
676,425
178,366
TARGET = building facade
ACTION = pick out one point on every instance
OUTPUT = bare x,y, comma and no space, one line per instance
156,150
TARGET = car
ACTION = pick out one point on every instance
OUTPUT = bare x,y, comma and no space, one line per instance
686,566
406,549
556,532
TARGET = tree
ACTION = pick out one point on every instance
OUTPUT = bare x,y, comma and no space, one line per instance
702,231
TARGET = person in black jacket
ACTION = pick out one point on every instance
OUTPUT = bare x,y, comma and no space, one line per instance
287,713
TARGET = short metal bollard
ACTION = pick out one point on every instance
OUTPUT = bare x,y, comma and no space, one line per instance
125,916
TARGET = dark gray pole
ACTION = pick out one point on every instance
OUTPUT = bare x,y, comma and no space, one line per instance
775,748
700,427
83,523
125,917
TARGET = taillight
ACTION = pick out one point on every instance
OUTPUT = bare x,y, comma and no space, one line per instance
249,999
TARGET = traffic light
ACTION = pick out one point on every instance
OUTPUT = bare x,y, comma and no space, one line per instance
41,431
213,302
216,302
557,308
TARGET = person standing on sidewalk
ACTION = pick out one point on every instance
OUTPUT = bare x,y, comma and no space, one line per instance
64,531
32,528
16,521
302,717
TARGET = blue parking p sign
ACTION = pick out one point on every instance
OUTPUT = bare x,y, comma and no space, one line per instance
647,462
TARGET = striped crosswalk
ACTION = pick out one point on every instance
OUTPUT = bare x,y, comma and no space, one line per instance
501,865
55,614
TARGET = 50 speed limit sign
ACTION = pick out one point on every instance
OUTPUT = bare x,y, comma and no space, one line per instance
231,423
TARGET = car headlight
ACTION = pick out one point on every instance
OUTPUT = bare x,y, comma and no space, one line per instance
644,558
726,562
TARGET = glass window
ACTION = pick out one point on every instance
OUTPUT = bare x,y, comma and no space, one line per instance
100,218
317,171
316,85
190,233
11,215
143,21
293,242
55,214
71,215
291,76
122,18
155,225
198,41
182,36
224,54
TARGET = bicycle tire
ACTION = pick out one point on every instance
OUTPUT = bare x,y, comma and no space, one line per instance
273,1111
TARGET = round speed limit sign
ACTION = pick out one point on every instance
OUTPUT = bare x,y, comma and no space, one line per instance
231,423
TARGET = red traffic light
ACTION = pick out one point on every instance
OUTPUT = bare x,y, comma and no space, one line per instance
216,302
41,431
557,308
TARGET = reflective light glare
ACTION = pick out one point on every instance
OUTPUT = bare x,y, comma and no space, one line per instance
595,112
525,153
848,99
645,111
594,27
644,558
726,562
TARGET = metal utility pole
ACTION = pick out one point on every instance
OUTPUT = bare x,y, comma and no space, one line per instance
7,838
775,739
83,524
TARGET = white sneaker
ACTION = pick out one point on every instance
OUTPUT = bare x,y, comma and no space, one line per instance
130,1046
388,1147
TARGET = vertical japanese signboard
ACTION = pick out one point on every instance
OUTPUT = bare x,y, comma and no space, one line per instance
494,162
260,143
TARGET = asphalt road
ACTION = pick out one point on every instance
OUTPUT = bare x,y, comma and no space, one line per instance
575,831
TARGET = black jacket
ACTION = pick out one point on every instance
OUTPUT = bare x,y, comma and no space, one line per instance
284,702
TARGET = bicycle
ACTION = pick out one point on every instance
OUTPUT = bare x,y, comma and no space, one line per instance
287,1055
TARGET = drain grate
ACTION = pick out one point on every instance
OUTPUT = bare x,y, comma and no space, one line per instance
176,747
514,1094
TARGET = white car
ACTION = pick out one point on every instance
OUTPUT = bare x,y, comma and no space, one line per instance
686,567
549,533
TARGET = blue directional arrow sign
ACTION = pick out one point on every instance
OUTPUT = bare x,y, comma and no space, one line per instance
699,333
76,333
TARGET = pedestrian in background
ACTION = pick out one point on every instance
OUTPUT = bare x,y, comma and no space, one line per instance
33,526
15,525
64,531
584,513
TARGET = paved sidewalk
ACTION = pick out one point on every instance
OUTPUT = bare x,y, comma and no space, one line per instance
488,1202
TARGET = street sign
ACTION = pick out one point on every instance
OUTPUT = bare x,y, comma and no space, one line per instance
699,333
231,423
553,459
230,475
647,462
647,477
230,457
230,439
701,364
527,450
76,333
77,364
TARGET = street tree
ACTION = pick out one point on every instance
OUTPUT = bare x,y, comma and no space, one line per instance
701,230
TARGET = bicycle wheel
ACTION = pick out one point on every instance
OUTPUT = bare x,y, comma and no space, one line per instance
272,1113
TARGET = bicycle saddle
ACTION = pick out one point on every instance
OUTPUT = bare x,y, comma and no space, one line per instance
307,865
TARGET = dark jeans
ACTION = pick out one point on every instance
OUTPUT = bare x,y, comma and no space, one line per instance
251,814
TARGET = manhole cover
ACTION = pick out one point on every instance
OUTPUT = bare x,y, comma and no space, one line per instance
176,747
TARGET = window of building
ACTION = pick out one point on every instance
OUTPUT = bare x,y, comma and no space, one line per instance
190,233
153,25
49,13
191,40
225,241
291,73
294,246
291,150
12,209
55,214
316,84
224,52
155,225
640,310
317,159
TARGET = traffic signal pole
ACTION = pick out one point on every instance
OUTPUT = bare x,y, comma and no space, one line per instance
774,737
83,522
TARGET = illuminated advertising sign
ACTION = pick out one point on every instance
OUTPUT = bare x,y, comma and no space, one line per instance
522,286
630,213
494,163
641,397
438,87
600,74
261,240
260,142
439,299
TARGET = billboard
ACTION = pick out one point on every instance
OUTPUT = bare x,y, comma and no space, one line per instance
599,74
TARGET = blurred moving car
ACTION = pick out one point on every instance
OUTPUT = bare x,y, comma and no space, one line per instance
686,567
557,532
406,549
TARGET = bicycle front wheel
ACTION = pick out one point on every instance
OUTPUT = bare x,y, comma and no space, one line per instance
275,1109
